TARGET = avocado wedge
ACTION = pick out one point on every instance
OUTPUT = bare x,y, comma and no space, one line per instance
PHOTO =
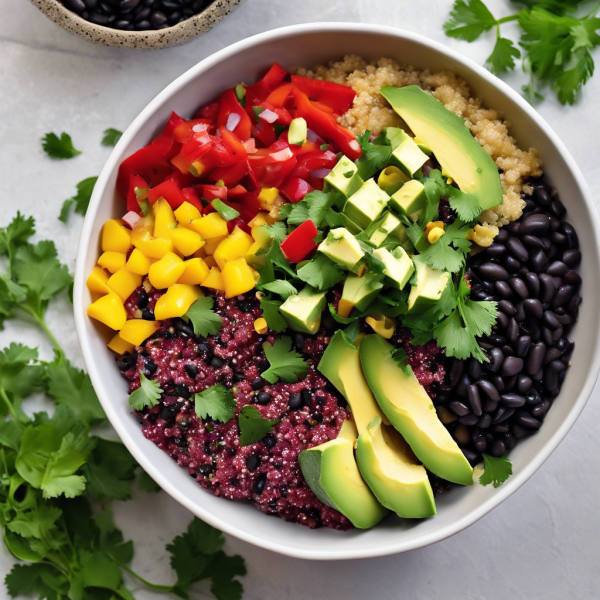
410,410
458,152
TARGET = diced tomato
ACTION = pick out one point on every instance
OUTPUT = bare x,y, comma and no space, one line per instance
169,191
300,243
208,111
233,116
233,145
210,192
135,182
337,97
294,189
230,175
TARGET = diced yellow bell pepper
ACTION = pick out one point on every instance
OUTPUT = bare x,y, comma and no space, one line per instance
177,301
164,219
166,271
198,168
344,308
152,248
262,218
96,282
267,197
210,247
196,271
119,345
214,280
384,326
108,310
210,262
115,237
186,240
255,259
238,277
260,326
138,262
123,283
233,247
187,213
200,253
210,226
112,261
135,331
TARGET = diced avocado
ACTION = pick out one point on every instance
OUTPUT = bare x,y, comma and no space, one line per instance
388,228
453,145
429,287
398,266
359,292
331,472
343,177
303,311
391,179
350,225
342,247
409,199
407,156
410,410
297,132
341,365
365,205
393,473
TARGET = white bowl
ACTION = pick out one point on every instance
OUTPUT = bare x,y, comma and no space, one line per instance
307,45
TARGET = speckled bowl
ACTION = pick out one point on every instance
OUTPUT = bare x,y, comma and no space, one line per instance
139,40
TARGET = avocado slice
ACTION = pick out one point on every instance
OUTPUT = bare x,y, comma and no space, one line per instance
393,473
303,311
429,287
331,472
388,228
344,177
359,292
458,152
410,410
342,247
407,156
398,266
366,204
409,200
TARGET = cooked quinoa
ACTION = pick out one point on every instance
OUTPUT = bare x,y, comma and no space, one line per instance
371,111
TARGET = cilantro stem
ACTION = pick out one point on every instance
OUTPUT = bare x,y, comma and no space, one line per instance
9,405
39,321
592,12
507,19
153,586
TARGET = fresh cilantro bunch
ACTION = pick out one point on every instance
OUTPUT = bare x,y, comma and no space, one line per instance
556,44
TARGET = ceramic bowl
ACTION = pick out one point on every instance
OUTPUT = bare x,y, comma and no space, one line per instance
310,45
139,40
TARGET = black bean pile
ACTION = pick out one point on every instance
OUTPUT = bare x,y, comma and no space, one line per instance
136,15
529,272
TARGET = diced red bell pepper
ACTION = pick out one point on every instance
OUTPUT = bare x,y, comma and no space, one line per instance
280,95
235,194
169,191
230,175
184,131
238,222
273,165
181,180
208,111
218,155
313,161
259,91
283,116
251,182
264,132
191,195
135,182
210,192
230,108
294,189
300,243
233,145
274,76
197,146
334,95
326,126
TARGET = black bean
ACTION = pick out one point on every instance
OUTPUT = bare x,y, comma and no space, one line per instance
570,234
512,265
150,368
571,257
237,377
142,26
468,420
526,420
191,371
532,241
496,359
77,6
485,421
263,398
535,224
307,397
502,414
532,282
547,288
502,320
538,261
474,400
512,331
558,238
269,440
257,383
217,362
493,271
456,370
495,250
563,295
328,322
503,289
498,383
520,314
547,335
512,366
295,401
551,320
169,412
524,383
572,278
557,269
497,449
573,306
550,378
513,400
522,346
536,358
541,196
252,462
507,307
91,4
513,228
541,409
518,285
533,307
460,409
142,15
474,369
463,384
488,388
517,249
558,208
259,484
481,444
127,361
121,24
557,365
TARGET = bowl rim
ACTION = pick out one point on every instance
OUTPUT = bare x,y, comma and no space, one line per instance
346,551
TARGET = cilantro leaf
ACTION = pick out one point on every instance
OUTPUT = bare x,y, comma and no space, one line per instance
20,372
314,206
59,147
111,137
271,314
147,484
286,364
503,56
496,470
41,579
19,230
283,288
468,20
449,252
253,427
148,394
277,231
81,200
375,156
559,7
401,359
204,320
228,213
278,259
216,402
321,272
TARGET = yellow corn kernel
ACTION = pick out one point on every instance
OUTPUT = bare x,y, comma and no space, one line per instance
233,247
391,177
214,280
435,234
115,237
262,218
166,271
252,258
384,326
108,310
267,197
123,283
177,301
112,261
260,326
210,227
238,277
164,219
186,240
198,168
483,236
344,308
96,282
196,271
210,262
187,213
432,224
119,345
136,331
138,262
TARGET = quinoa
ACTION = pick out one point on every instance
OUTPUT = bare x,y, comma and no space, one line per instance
371,111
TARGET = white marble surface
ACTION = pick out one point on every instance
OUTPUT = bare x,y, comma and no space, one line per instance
541,543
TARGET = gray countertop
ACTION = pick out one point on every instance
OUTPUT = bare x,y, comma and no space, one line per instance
543,542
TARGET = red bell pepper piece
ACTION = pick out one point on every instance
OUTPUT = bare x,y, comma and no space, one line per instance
233,116
259,91
326,126
169,191
274,76
135,183
187,129
181,180
334,95
314,161
235,194
233,145
210,192
197,146
208,111
264,132
294,189
238,222
280,95
231,175
300,243
191,196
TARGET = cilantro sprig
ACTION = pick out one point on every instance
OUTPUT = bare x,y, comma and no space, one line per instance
216,402
496,470
111,136
204,320
285,364
59,147
81,199
253,427
147,395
